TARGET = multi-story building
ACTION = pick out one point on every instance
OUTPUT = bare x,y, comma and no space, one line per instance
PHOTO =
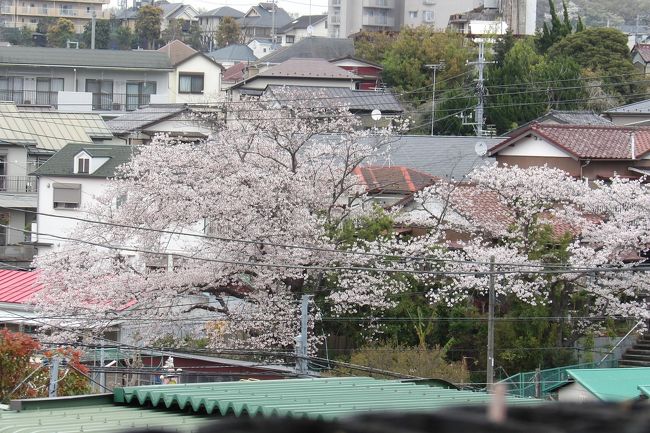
347,17
27,13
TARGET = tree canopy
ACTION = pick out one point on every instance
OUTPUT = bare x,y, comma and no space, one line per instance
147,25
60,32
228,33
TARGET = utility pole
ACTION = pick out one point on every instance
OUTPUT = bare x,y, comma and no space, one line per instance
102,363
301,352
490,342
54,377
480,90
273,25
434,68
92,31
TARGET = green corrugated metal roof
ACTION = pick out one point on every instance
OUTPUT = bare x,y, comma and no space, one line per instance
104,418
312,398
612,384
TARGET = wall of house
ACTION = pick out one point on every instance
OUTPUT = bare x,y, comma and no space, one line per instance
211,81
260,83
533,146
567,164
591,170
575,393
628,119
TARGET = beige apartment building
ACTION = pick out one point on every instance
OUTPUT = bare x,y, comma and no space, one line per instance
27,13
347,17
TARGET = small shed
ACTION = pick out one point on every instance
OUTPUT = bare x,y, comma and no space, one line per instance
605,384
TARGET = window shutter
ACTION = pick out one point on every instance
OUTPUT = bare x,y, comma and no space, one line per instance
67,193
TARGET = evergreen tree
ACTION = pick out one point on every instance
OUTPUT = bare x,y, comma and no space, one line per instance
579,25
566,28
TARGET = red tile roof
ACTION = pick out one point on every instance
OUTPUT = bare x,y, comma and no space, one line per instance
235,72
644,51
399,180
18,286
588,141
308,68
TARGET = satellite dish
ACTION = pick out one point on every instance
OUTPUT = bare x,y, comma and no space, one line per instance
480,148
310,30
375,115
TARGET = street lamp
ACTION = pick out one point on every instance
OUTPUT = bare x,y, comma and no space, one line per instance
434,68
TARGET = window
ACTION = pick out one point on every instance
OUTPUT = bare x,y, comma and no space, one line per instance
190,83
66,195
11,89
428,16
289,39
413,14
102,91
47,90
138,93
83,165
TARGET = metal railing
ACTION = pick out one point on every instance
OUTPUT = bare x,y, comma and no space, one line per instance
27,184
119,101
30,97
541,383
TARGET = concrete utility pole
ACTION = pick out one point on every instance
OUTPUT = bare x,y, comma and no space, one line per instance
54,377
490,342
301,352
273,25
480,90
434,68
92,31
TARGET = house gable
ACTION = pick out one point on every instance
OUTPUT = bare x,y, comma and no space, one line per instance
533,145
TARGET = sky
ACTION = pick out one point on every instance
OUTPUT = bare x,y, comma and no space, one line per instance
301,7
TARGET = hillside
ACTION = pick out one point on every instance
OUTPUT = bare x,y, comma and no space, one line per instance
598,12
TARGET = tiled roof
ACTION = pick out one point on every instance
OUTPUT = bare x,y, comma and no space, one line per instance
641,107
18,286
398,180
82,58
356,100
592,142
644,51
576,117
234,73
62,163
302,22
143,117
223,11
308,68
177,51
261,17
234,52
312,48
441,156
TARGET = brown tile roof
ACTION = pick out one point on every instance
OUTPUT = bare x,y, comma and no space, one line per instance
588,141
397,180
177,51
644,51
235,72
308,68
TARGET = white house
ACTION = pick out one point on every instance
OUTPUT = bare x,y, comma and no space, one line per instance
261,47
103,81
304,27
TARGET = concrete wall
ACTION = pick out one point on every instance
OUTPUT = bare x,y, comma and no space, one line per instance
575,393
75,102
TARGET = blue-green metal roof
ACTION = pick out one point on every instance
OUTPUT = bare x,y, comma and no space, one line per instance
612,384
329,398
645,390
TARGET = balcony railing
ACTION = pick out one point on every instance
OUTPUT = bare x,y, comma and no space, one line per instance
119,101
378,21
33,97
18,184
384,4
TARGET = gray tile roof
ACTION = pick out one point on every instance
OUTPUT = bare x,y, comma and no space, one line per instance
264,18
576,117
62,162
641,107
235,53
311,48
356,100
143,117
308,68
302,22
224,11
65,57
442,156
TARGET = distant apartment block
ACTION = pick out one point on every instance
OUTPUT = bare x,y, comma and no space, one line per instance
27,13
347,17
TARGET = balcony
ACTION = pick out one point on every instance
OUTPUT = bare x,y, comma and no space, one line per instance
336,19
30,97
18,184
381,4
378,21
119,101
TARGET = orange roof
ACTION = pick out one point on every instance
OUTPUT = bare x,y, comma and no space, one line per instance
399,180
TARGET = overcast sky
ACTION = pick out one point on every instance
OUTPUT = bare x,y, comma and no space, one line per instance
301,7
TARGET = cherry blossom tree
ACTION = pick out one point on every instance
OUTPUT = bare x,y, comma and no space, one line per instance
201,239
